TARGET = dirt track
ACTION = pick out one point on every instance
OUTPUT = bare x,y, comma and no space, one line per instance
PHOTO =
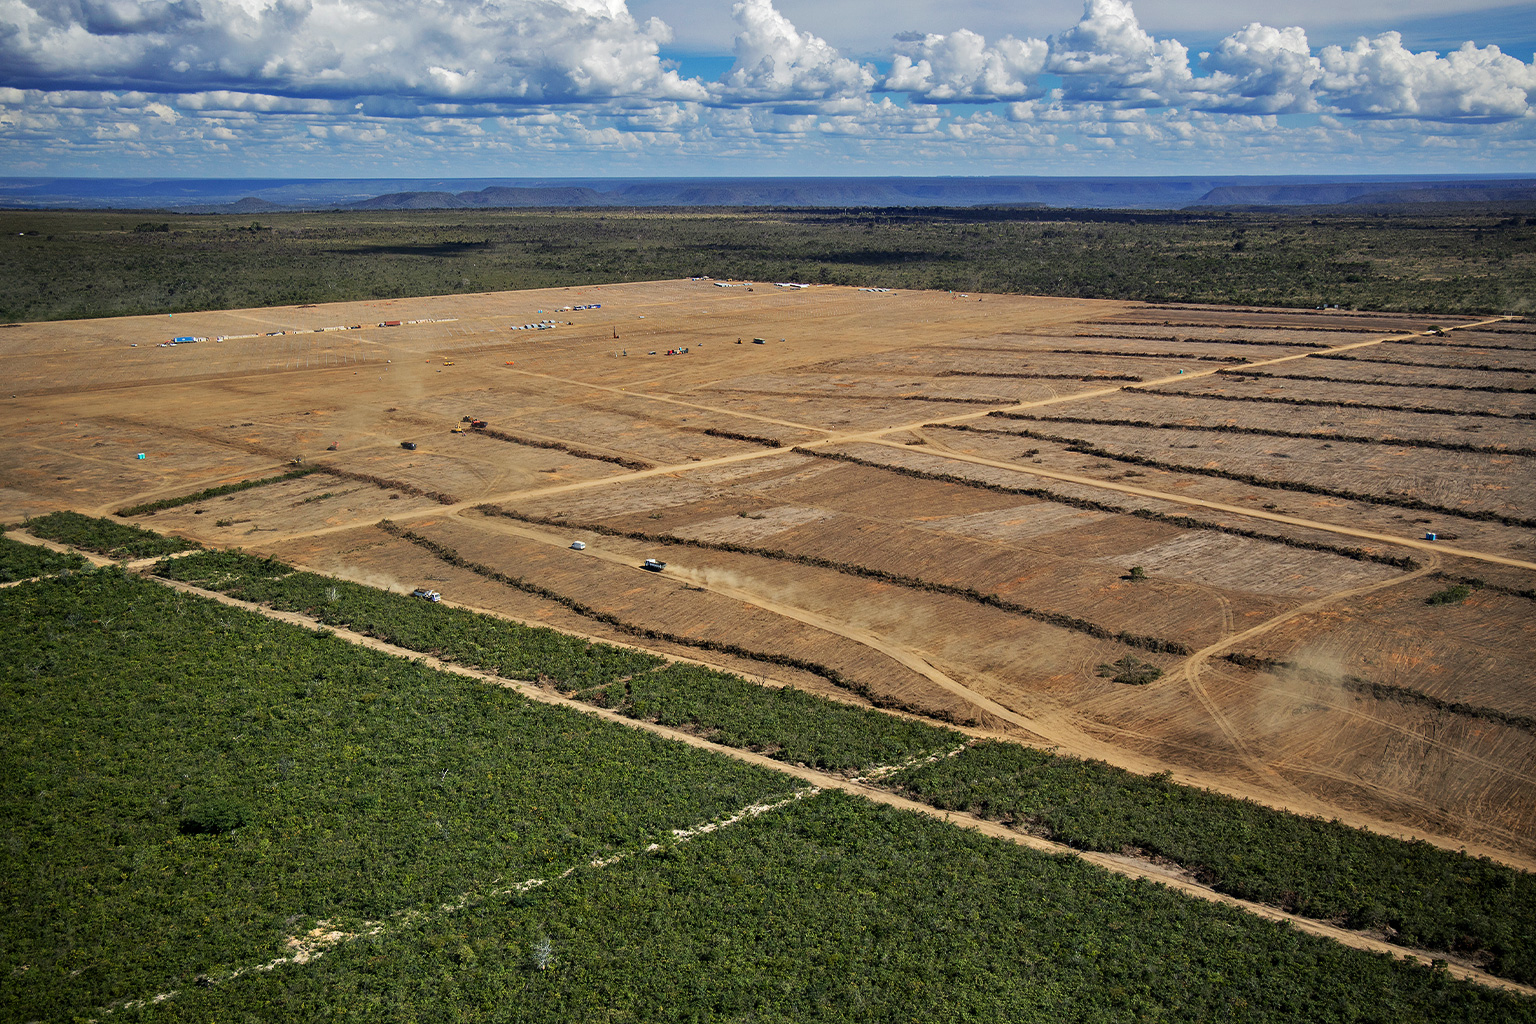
860,369
823,780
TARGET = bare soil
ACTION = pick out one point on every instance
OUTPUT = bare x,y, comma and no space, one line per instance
867,375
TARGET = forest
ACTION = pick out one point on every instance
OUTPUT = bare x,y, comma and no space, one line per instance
74,264
297,829
1434,898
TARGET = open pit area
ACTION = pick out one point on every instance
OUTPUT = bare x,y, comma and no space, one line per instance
1002,512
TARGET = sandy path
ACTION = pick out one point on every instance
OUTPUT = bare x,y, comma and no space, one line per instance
880,436
906,656
1116,864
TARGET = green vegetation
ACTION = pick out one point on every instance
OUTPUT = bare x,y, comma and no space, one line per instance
1456,593
1429,897
213,492
1436,899
179,816
505,648
787,724
103,536
87,264
20,561
188,785
832,910
1131,671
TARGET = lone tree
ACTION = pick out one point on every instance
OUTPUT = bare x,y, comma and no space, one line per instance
1137,574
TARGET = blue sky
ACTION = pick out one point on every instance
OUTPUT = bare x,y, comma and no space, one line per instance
468,88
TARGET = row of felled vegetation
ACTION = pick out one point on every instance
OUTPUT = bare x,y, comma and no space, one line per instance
61,264
162,504
1061,620
1233,428
1083,446
1496,389
1183,522
1423,410
1436,899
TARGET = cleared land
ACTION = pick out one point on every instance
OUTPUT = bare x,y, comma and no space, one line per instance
842,495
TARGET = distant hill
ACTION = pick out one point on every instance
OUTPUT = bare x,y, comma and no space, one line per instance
1391,193
249,195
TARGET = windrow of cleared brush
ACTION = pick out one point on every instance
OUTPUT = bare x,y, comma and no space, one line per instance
1491,346
1183,522
561,446
1178,339
830,674
1083,446
1386,691
1326,403
149,507
1232,428
1481,368
1140,355
1243,327
1428,385
1024,375
1061,620
404,487
766,442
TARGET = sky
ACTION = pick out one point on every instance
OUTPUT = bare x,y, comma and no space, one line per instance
665,88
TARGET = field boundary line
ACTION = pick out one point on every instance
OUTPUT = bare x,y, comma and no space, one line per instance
315,943
1218,506
827,781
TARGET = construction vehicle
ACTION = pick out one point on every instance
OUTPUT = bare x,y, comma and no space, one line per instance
478,424
333,446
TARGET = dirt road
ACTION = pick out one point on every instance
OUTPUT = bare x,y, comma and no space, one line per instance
1118,865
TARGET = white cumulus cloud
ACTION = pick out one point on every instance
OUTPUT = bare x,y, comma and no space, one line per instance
512,51
776,62
1381,78
961,67
1108,57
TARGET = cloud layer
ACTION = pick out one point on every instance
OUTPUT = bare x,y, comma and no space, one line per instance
514,84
